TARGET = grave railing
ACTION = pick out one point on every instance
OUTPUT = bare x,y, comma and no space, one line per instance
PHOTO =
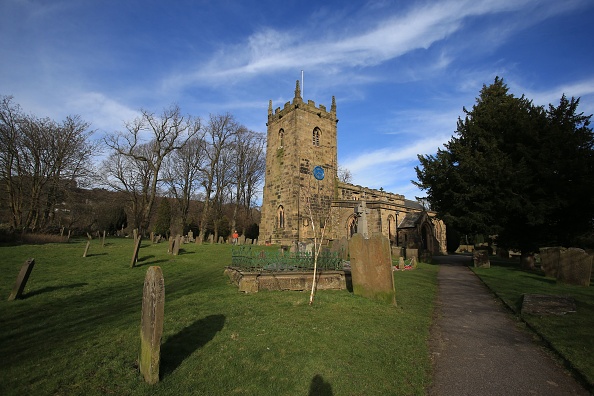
247,259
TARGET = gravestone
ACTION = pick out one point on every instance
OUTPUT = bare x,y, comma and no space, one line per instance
21,281
481,259
135,233
397,252
191,236
544,304
171,245
221,240
152,236
371,268
211,239
248,241
136,249
103,240
151,324
241,240
177,245
87,248
575,267
401,262
410,253
62,231
549,260
341,247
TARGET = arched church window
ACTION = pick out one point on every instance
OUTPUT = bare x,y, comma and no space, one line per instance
280,217
281,137
316,137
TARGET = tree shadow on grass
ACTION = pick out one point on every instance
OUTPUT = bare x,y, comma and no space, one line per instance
143,263
49,289
181,345
319,387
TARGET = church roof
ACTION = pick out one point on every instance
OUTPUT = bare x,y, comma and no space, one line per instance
411,220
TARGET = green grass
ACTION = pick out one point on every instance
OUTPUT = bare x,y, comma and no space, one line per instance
571,335
76,331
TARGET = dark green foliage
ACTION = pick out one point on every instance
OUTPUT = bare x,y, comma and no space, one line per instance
163,218
252,231
515,170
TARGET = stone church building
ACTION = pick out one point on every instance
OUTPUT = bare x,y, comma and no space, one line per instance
302,136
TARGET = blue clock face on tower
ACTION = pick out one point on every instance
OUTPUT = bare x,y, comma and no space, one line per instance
318,173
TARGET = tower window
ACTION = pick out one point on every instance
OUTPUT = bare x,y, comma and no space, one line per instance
281,137
316,137
280,217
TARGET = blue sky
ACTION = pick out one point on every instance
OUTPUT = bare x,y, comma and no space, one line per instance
401,71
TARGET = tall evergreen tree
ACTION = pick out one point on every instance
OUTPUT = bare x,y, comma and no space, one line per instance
514,170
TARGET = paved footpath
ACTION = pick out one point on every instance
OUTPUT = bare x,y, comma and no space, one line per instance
478,347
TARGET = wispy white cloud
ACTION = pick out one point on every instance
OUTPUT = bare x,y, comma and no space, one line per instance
271,50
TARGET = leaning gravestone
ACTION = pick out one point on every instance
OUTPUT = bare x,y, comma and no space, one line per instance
136,249
171,244
87,249
371,268
575,267
481,259
21,281
176,245
151,324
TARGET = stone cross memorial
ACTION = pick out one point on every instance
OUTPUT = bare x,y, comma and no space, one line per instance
22,279
151,324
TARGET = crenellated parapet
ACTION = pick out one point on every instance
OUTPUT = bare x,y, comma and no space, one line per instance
298,103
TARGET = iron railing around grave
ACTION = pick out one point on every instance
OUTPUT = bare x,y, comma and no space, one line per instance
253,260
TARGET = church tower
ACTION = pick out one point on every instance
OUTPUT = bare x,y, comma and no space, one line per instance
300,137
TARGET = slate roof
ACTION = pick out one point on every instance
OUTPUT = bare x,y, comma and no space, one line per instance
410,220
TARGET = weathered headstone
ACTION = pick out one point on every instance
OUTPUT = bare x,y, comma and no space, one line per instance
481,259
397,252
103,241
21,281
152,236
410,253
401,262
171,245
543,304
221,240
241,240
87,248
135,233
371,268
177,245
136,249
89,237
549,260
211,239
248,241
151,324
191,236
575,267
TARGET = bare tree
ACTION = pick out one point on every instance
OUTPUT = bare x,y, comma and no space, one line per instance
220,130
344,175
248,171
39,159
317,208
182,174
166,133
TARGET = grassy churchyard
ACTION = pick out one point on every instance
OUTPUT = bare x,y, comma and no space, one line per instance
76,330
570,335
